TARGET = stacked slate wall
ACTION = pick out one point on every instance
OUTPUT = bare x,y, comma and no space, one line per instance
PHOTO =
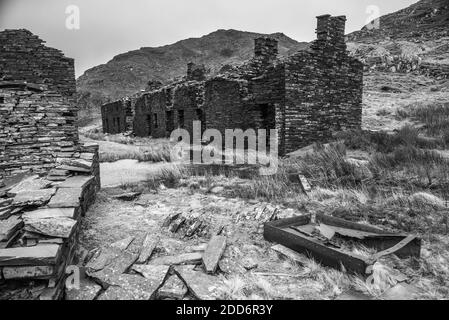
35,129
24,57
323,88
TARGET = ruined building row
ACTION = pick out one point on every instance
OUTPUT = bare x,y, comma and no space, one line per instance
305,96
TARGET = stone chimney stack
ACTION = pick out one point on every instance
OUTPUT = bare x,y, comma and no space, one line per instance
331,30
266,48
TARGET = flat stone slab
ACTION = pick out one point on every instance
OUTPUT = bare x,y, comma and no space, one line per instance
58,227
148,246
213,253
32,183
32,272
152,273
50,213
131,287
203,286
9,227
33,198
77,163
76,182
173,288
5,212
182,259
40,255
66,198
73,169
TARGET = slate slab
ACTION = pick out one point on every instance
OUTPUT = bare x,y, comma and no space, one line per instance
30,272
50,213
173,288
76,182
59,227
213,253
66,198
148,246
40,255
9,227
203,286
33,198
132,287
29,184
182,259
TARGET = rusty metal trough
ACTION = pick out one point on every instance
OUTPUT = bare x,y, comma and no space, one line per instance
295,233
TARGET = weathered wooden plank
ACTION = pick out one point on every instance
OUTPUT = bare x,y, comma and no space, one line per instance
213,253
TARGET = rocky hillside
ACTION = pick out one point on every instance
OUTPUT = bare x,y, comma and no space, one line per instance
424,20
414,39
129,72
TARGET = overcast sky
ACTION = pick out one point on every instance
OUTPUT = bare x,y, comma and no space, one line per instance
110,27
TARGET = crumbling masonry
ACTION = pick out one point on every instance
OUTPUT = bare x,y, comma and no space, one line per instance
47,178
306,96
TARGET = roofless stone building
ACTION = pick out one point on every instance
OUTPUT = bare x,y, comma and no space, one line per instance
305,96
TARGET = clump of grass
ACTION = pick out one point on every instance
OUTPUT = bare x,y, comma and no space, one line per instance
435,117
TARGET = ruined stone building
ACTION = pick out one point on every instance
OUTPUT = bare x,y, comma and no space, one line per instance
306,96
37,113
48,178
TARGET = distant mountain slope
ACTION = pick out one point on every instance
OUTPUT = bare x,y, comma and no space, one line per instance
412,39
129,72
426,19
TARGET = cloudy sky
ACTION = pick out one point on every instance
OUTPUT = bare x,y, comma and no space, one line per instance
110,27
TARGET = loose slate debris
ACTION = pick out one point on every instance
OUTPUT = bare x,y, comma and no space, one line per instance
155,273
131,287
148,246
186,258
59,227
173,288
9,227
88,290
201,285
174,227
304,184
170,219
353,295
213,253
29,184
33,198
130,196
41,255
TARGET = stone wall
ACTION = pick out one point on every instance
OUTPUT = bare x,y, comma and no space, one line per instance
113,117
24,57
306,96
36,127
